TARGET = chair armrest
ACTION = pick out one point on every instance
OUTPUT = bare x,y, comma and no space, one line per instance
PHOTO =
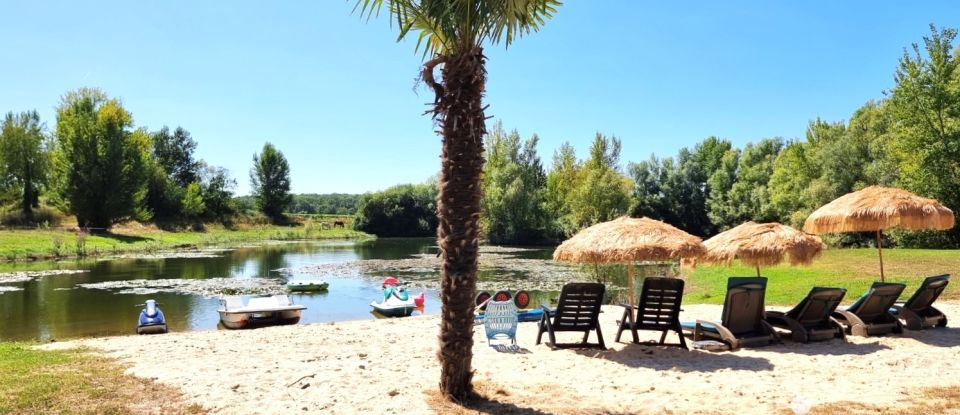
780,314
724,332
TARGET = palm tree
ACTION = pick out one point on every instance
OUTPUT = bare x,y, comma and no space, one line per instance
453,33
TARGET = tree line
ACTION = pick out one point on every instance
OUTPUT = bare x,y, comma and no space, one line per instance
97,165
910,138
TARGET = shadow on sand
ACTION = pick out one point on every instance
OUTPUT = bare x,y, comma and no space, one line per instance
833,347
676,358
940,336
510,348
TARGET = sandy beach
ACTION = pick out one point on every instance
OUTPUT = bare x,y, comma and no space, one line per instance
389,367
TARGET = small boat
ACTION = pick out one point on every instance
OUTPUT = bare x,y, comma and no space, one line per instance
307,285
259,311
398,304
151,319
533,314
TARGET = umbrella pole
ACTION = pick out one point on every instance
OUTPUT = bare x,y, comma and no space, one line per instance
630,283
758,270
880,252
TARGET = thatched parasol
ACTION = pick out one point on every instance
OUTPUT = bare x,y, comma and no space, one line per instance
628,240
877,208
763,244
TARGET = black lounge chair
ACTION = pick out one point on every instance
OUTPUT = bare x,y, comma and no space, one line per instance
742,321
870,314
918,312
659,310
578,310
811,319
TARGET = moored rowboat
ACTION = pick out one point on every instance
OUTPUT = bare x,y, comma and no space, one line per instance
258,311
307,285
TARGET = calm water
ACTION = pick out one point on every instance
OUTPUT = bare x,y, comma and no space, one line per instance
55,307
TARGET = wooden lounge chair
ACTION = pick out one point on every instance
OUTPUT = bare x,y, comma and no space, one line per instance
918,312
659,310
578,310
811,319
742,321
870,314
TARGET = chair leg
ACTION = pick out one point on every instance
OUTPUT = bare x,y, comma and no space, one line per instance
683,343
623,323
663,337
600,336
540,330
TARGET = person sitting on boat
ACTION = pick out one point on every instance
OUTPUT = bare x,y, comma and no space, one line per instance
391,286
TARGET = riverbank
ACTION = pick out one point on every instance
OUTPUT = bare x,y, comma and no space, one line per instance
389,366
47,244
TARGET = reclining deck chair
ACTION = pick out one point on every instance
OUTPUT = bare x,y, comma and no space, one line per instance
742,321
811,319
918,312
578,310
870,314
659,310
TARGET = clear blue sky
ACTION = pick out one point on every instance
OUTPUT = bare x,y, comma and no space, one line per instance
337,96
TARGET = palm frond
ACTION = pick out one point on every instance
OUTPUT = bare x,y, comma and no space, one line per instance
447,25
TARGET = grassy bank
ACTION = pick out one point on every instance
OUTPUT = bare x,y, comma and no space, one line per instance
853,269
39,382
32,244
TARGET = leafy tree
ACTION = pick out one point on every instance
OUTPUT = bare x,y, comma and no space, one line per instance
602,193
871,124
406,210
749,197
164,196
193,205
174,153
24,155
102,162
790,181
719,208
514,190
563,179
270,180
925,102
677,192
217,192
330,204
454,33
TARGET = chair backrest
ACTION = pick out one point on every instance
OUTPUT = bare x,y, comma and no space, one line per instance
874,306
500,318
817,306
743,307
660,300
579,306
928,292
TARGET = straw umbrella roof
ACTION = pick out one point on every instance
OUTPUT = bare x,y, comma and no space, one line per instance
876,208
763,244
629,239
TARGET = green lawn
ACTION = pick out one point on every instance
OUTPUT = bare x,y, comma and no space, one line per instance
853,269
18,245
72,382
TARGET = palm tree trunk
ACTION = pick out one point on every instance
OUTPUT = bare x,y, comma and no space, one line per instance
459,114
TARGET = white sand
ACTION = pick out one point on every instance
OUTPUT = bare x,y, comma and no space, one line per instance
346,368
